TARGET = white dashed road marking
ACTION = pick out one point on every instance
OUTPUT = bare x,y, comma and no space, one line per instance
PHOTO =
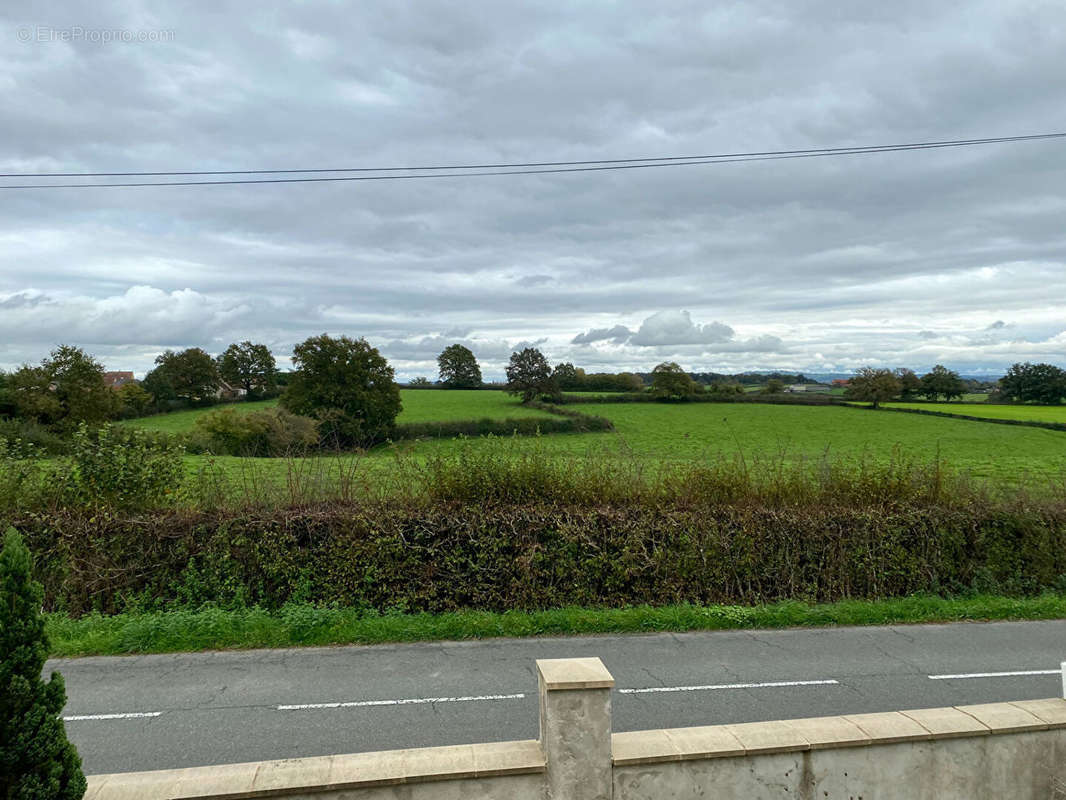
131,715
1017,674
709,687
410,701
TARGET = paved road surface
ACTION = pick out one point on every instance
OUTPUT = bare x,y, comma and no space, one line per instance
155,712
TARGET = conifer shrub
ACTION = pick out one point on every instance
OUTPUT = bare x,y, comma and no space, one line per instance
37,762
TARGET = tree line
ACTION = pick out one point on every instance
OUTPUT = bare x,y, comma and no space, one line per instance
1024,383
347,389
68,387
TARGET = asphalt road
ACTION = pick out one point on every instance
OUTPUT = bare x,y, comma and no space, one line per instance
156,712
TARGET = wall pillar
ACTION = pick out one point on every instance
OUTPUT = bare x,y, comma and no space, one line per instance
575,727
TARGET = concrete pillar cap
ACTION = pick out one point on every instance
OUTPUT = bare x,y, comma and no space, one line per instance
574,673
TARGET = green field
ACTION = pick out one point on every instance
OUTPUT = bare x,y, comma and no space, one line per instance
689,432
654,433
987,411
419,405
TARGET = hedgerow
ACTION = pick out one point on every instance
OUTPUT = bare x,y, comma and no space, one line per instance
497,555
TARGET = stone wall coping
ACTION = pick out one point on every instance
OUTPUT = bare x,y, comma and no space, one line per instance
574,673
323,773
855,730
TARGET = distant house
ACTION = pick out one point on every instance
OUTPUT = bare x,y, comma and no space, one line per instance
116,380
808,388
226,392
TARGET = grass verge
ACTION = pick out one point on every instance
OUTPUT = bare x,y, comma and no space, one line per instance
305,625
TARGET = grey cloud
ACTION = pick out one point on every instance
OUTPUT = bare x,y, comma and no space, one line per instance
842,259
677,328
618,334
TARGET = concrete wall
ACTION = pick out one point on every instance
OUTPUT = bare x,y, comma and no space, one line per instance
996,750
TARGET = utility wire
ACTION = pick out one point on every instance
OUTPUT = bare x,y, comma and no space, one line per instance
484,170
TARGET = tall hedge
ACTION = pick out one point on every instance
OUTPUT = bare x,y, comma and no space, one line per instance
499,556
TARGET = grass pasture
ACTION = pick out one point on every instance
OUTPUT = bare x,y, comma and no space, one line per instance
652,434
419,405
656,433
183,421
1025,413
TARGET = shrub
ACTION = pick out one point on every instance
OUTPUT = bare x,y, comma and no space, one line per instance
269,432
33,433
37,762
122,468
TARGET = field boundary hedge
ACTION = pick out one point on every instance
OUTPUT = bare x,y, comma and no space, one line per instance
709,397
495,556
1029,423
565,420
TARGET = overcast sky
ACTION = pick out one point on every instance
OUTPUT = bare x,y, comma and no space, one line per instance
823,265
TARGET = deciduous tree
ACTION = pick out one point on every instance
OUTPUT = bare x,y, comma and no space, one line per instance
251,367
942,382
529,375
346,385
459,368
873,386
910,384
66,389
1034,383
669,381
190,375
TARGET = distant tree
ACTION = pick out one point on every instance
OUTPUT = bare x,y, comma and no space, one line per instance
529,375
909,383
66,389
609,381
421,382
189,375
459,368
567,376
37,762
942,382
251,367
874,386
157,384
669,381
1034,383
7,402
725,388
774,386
135,400
32,395
346,385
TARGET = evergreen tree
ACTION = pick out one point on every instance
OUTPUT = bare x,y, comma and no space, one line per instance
36,760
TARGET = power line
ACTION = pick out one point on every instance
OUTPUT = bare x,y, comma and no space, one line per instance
486,170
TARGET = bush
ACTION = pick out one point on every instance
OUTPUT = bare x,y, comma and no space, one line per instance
124,468
37,762
33,433
269,432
